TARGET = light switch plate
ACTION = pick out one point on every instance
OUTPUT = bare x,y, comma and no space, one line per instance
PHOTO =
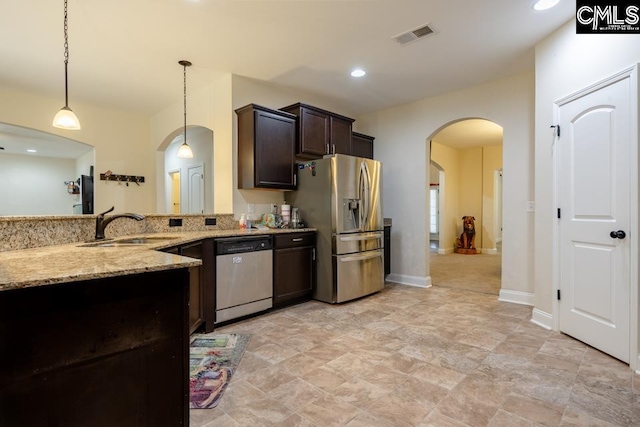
531,206
251,207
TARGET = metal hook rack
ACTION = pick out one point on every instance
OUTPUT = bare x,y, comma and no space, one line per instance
121,178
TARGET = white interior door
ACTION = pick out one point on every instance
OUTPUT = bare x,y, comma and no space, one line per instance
196,189
594,197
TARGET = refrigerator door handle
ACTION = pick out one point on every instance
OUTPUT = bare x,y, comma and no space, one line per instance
359,238
364,194
376,254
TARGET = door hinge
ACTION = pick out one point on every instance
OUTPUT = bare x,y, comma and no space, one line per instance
559,213
557,127
558,294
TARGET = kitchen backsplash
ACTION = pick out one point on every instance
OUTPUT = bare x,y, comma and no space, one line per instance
18,232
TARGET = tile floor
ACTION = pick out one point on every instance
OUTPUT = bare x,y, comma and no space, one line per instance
419,357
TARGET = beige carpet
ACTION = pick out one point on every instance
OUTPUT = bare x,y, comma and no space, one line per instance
479,273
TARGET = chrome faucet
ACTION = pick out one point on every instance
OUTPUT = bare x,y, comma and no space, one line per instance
102,222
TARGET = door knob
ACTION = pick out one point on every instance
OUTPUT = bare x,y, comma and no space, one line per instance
618,234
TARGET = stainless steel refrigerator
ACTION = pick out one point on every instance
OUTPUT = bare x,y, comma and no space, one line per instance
340,196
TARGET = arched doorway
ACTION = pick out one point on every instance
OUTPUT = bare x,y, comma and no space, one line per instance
468,152
186,185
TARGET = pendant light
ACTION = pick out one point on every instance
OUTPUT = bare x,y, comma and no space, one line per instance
66,119
185,151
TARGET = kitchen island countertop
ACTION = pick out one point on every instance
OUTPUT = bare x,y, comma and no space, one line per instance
79,261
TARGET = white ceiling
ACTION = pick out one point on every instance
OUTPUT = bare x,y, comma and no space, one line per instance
123,54
17,140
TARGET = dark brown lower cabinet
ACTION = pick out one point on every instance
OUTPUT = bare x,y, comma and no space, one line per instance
387,250
201,284
106,352
293,268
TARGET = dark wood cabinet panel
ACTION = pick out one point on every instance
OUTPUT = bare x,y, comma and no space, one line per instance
196,286
266,148
201,284
315,130
102,352
320,132
362,145
293,268
387,250
341,136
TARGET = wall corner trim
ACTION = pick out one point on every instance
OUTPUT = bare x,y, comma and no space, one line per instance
516,297
404,279
542,319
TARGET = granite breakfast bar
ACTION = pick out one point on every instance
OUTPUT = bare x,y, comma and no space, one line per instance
97,335
93,337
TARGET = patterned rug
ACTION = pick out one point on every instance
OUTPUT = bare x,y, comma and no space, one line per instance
213,359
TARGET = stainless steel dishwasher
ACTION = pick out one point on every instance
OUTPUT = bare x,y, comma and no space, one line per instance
244,276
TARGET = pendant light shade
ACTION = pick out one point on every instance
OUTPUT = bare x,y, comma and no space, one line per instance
184,151
66,119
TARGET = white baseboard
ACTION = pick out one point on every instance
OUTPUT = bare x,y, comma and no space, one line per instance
404,279
542,319
516,297
487,251
445,251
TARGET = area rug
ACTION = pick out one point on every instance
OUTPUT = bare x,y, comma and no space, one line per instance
213,360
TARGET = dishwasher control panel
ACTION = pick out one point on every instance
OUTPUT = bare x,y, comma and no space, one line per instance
234,245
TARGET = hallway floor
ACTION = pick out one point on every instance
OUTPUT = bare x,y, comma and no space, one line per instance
419,357
478,273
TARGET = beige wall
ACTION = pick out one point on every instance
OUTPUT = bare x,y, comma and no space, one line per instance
247,91
449,159
565,64
491,162
209,107
468,190
120,140
402,135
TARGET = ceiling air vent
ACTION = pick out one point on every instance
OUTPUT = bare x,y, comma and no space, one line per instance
413,35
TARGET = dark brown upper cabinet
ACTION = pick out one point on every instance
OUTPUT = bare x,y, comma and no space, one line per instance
266,148
320,132
362,145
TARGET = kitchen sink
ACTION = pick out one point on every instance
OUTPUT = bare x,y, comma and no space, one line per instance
129,241
143,240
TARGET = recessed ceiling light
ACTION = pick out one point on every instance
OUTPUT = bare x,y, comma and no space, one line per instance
545,4
31,150
358,72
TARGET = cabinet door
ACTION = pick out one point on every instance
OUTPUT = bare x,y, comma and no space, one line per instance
275,139
340,136
196,310
362,145
314,132
387,251
292,275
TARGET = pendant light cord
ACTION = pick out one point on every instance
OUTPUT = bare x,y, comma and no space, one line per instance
66,56
185,102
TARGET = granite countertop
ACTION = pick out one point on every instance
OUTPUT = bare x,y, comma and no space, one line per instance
79,261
